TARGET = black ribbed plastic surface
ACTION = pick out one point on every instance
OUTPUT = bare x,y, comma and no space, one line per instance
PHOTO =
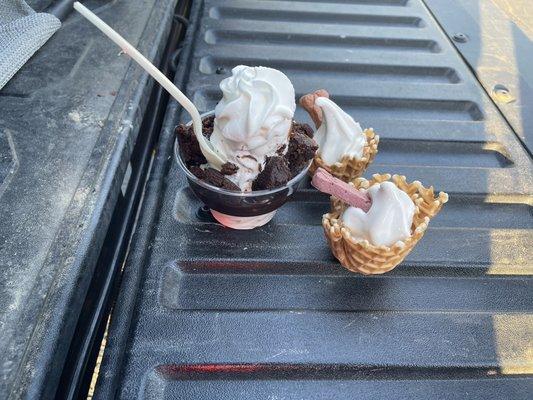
210,313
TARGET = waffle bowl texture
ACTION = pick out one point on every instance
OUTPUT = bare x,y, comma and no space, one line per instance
366,258
350,168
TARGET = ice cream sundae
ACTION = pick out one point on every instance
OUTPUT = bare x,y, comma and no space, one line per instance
265,152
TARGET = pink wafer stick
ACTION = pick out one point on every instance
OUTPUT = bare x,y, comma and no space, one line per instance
327,183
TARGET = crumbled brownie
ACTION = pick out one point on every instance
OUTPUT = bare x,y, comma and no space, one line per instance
229,168
197,171
275,174
213,177
208,125
302,149
189,147
302,128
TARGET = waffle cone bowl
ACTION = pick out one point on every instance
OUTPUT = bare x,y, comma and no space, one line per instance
350,168
366,258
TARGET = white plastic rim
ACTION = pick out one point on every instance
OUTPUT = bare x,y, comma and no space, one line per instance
243,223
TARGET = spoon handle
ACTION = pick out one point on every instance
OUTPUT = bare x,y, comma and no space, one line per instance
131,51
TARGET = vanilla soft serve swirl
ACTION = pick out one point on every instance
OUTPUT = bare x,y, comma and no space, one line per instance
253,119
338,135
388,220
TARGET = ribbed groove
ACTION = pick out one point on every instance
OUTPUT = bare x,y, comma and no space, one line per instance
257,371
333,70
239,285
315,17
404,108
317,41
442,154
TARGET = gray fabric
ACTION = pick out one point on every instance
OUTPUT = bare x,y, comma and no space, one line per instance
22,33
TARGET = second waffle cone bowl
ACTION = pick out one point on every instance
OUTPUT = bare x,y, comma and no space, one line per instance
350,168
366,258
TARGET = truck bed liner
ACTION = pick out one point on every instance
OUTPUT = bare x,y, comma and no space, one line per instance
205,312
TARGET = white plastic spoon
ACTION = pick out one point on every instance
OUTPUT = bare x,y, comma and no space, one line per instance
212,156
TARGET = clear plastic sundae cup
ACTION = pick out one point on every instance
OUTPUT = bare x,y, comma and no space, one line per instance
239,210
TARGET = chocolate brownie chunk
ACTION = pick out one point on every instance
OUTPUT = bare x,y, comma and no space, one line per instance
229,168
189,147
208,125
275,174
302,149
198,172
302,128
214,177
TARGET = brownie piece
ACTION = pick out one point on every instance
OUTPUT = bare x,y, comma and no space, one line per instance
208,124
189,147
214,177
275,174
229,168
302,149
302,128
